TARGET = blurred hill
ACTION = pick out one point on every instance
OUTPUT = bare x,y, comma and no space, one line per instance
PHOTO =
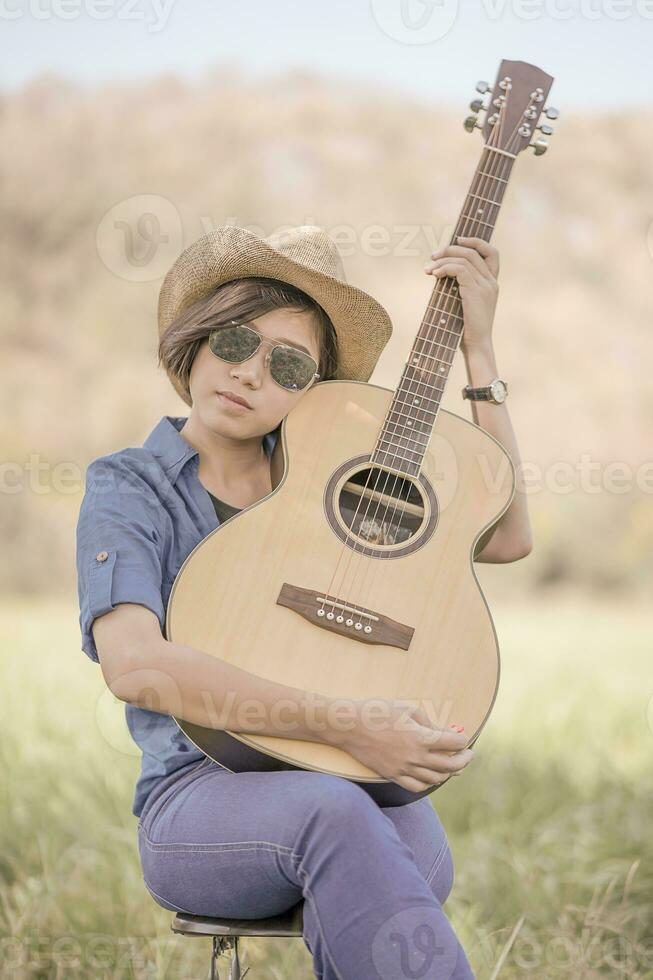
102,187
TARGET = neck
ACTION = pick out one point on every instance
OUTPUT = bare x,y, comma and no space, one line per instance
231,459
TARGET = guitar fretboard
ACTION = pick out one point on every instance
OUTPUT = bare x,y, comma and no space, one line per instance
408,426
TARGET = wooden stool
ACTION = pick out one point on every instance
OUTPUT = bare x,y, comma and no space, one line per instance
225,933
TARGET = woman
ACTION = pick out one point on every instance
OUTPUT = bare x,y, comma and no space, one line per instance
259,320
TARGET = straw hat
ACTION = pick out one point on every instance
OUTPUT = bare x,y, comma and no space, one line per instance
305,257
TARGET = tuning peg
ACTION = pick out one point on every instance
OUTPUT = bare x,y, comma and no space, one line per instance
546,130
471,123
551,113
476,105
482,87
539,147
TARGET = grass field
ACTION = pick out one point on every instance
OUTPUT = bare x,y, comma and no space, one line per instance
551,825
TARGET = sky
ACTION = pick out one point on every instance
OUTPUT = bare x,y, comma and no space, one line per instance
436,50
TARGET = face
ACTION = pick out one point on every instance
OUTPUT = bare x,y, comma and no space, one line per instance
251,379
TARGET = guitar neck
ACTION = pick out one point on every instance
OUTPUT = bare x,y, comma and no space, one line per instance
408,426
405,435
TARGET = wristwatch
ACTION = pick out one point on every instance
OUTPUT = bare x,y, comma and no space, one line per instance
496,392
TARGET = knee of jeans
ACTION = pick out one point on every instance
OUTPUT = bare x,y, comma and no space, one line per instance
336,798
441,878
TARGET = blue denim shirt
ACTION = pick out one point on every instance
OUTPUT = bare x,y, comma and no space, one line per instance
143,512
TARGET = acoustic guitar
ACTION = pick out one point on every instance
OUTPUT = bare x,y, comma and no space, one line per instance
354,577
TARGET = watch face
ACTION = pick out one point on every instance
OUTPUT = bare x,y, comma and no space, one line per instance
498,390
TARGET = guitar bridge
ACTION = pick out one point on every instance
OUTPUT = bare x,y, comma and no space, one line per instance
338,616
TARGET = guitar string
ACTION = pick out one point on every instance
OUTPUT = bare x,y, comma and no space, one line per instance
479,189
442,292
478,185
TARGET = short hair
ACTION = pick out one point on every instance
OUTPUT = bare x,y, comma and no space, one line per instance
240,299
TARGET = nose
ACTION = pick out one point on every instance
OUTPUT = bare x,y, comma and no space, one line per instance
251,371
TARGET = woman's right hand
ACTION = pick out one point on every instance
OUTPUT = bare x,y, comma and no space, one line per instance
404,746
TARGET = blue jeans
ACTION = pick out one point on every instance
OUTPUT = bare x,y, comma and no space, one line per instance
253,844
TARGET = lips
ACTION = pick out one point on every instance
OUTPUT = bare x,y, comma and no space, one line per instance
235,398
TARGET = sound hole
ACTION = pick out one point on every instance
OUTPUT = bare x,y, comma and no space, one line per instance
379,507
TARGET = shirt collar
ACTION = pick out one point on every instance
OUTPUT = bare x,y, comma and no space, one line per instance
167,443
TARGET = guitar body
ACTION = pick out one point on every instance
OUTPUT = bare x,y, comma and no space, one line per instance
250,591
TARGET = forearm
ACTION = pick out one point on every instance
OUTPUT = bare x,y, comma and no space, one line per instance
514,525
174,679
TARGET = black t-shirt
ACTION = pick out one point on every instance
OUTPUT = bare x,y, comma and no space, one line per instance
222,509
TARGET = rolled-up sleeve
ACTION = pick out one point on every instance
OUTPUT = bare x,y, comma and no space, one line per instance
119,550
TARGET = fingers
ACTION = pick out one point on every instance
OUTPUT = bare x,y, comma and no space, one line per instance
442,762
437,771
455,270
420,779
489,252
479,253
444,739
413,785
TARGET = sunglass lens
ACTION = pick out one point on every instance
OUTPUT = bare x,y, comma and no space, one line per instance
233,343
291,369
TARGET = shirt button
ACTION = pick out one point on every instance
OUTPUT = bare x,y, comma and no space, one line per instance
102,556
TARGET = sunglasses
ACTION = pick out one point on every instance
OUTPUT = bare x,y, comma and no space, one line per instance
290,367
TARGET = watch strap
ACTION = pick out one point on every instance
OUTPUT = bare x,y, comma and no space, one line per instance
484,393
477,394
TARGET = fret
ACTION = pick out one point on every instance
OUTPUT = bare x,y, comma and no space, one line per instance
420,422
422,445
439,327
469,217
438,343
384,452
427,410
413,428
421,426
489,200
436,309
426,371
491,176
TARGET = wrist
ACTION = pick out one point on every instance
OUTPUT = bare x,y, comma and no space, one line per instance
481,348
481,364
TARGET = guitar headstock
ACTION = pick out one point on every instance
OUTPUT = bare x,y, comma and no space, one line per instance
515,106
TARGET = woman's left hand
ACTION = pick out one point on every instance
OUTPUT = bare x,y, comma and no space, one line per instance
475,265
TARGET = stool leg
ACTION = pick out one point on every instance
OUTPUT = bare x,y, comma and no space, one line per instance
234,973
215,952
